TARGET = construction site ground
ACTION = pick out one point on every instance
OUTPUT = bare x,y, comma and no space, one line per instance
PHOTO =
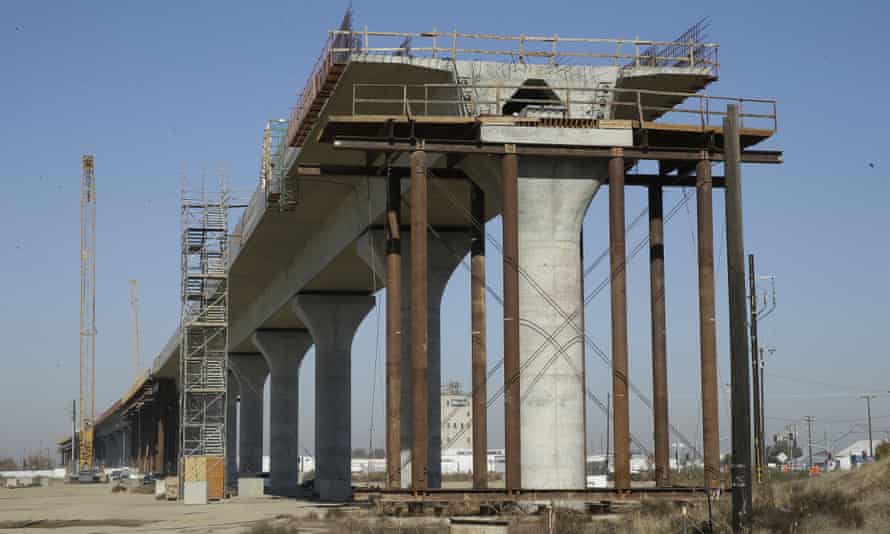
96,509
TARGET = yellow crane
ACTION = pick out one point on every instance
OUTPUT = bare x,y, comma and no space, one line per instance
87,314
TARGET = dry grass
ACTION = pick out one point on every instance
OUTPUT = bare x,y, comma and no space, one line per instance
833,503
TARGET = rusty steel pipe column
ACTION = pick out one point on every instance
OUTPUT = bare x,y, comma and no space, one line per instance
659,336
419,324
619,320
477,297
707,322
393,333
510,213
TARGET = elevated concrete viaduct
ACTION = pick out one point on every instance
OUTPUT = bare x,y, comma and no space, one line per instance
394,159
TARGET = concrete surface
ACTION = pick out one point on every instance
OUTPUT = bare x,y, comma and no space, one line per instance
251,371
250,487
284,351
194,492
232,393
94,504
333,320
553,197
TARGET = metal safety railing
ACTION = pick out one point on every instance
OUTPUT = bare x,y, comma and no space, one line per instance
541,101
549,49
343,43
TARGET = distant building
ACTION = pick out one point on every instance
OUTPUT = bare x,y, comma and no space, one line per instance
457,418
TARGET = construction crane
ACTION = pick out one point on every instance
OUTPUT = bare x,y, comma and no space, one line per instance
87,315
137,333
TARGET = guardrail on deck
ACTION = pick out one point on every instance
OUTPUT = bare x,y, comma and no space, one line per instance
489,100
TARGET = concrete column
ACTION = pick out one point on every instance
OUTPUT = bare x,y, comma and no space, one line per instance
284,351
445,255
232,429
553,197
251,370
333,320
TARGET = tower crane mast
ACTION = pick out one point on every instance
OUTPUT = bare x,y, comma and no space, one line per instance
87,313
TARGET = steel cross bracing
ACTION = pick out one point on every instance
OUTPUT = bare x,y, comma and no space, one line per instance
204,323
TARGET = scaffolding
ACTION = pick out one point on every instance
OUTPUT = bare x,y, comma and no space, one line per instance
204,341
273,180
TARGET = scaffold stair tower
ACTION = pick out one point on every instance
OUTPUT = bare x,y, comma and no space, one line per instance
204,338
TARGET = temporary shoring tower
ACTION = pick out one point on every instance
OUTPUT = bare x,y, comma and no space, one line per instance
87,312
204,338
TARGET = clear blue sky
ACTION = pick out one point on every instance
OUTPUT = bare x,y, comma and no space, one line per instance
152,87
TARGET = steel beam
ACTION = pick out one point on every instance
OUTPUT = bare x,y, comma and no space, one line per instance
393,333
510,215
738,335
477,297
419,324
654,154
659,337
617,257
707,323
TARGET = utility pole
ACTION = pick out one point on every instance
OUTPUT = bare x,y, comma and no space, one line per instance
809,420
868,398
755,369
608,429
136,331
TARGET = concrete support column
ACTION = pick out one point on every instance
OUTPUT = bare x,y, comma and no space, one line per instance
251,370
707,323
332,321
659,337
446,250
231,429
284,351
553,197
617,257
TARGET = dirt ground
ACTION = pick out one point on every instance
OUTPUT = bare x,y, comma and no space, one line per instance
95,509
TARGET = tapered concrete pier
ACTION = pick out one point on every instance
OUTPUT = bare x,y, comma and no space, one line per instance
284,351
553,197
332,320
251,371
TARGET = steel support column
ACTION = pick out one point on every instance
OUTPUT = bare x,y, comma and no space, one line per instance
510,214
738,335
419,324
617,257
707,323
393,333
659,337
477,296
